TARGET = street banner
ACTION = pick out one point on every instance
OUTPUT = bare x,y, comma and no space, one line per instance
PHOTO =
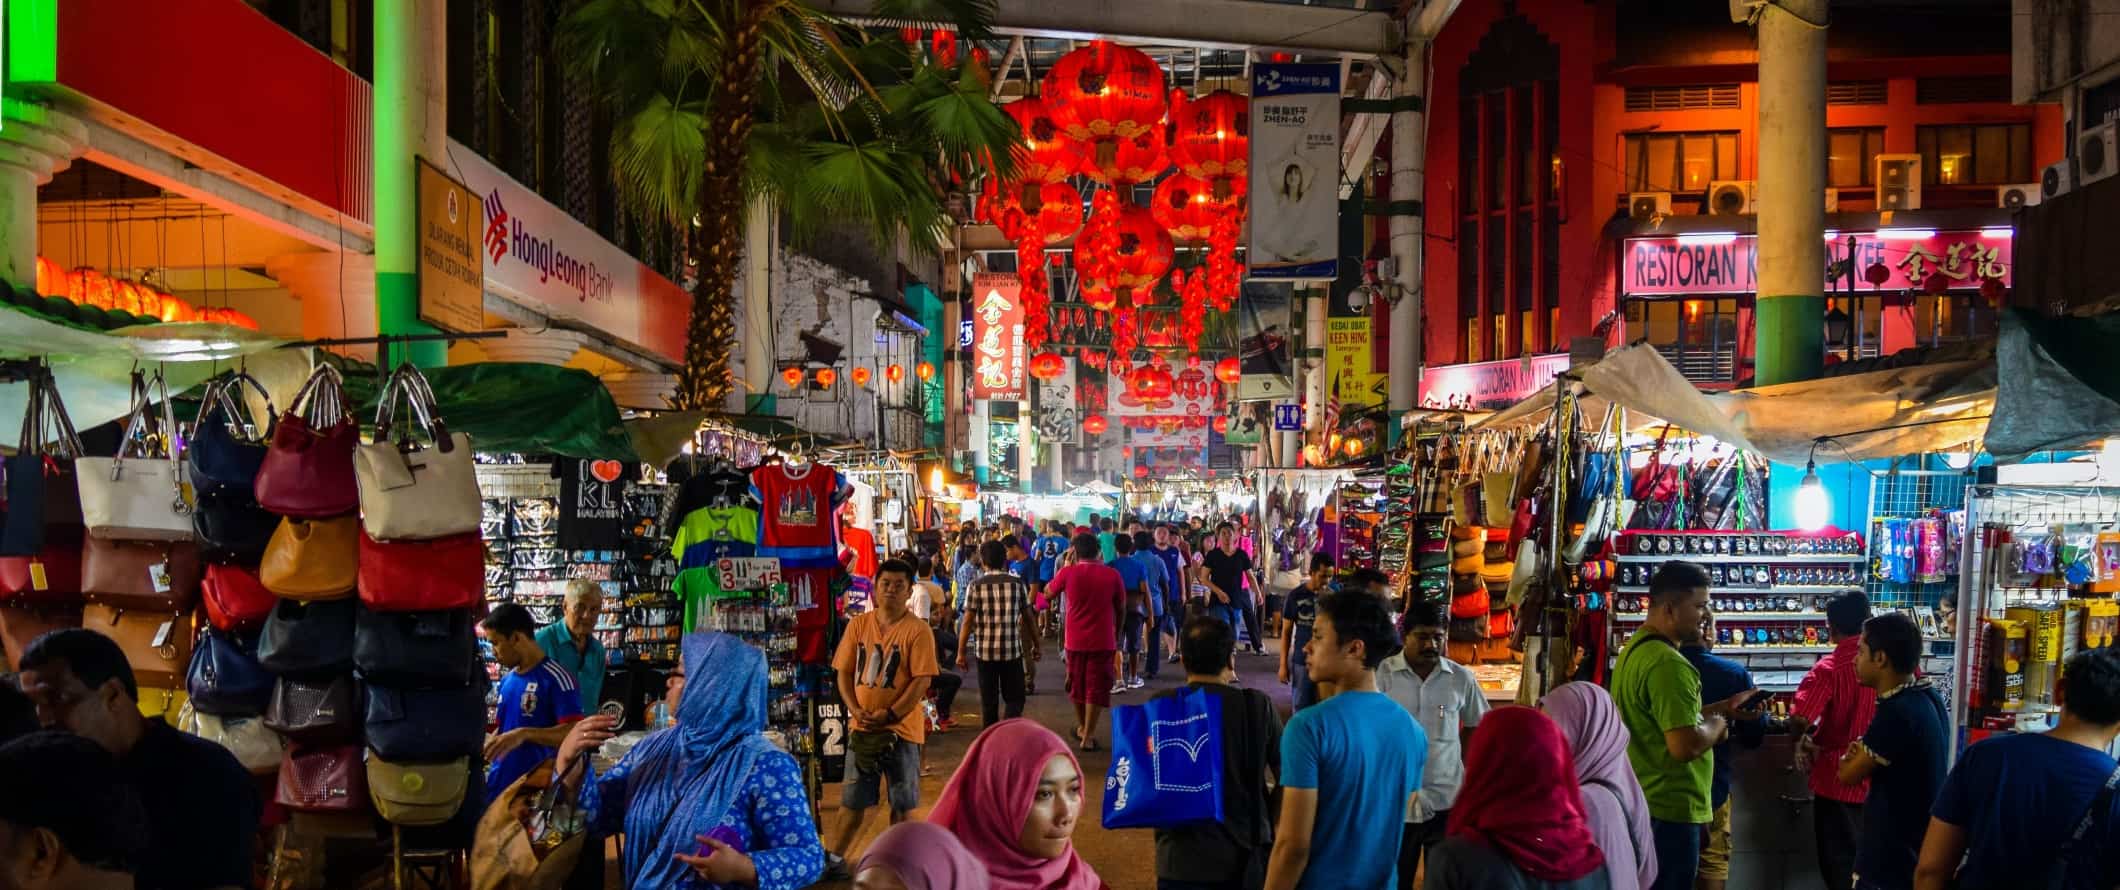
1265,319
1349,348
1057,418
1123,403
997,337
1295,171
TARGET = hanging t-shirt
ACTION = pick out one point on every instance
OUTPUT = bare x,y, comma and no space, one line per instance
810,589
702,483
711,534
795,520
858,542
592,505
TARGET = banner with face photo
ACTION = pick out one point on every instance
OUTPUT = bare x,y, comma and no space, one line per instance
1295,171
1058,419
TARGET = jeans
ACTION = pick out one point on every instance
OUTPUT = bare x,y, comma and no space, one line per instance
1835,827
1000,681
946,685
1253,627
1420,837
1227,613
1154,664
1677,853
1302,691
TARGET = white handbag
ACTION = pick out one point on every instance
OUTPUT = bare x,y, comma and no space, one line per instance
255,746
143,497
412,490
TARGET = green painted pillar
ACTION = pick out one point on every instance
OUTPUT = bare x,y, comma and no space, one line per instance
925,301
410,120
1789,333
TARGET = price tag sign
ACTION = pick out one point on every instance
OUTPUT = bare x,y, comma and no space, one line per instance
748,573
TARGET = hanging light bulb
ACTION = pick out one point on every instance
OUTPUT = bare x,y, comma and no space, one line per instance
1814,507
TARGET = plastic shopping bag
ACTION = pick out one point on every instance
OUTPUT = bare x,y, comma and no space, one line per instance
1166,767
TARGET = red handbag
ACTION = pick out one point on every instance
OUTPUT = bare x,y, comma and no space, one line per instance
1470,605
308,470
235,599
422,576
52,576
323,780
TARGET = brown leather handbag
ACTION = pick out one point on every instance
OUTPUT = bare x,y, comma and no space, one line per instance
323,780
157,642
138,574
313,559
21,624
417,793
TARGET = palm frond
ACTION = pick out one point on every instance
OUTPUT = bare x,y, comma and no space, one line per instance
658,156
971,19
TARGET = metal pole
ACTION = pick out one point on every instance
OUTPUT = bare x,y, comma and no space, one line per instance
1409,137
1789,342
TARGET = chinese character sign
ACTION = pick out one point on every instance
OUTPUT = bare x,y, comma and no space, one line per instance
1672,266
1295,171
997,337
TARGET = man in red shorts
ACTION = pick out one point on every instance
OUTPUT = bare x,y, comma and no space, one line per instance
1095,598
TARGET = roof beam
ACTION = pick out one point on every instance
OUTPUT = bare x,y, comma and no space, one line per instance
1208,24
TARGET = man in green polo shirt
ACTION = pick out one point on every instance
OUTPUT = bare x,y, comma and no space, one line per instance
1671,735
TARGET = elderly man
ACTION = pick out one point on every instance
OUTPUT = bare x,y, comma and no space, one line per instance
571,641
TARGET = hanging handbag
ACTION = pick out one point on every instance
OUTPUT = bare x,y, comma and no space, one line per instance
422,576
225,678
157,643
230,526
254,744
412,491
225,449
141,574
235,599
417,794
42,491
1497,498
308,638
20,625
51,576
308,469
1166,766
145,497
523,840
427,724
315,711
313,559
414,650
323,780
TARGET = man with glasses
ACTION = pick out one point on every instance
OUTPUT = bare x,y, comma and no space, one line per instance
1445,698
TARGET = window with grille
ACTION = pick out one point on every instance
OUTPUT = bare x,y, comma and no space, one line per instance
1679,162
1508,197
1856,92
1699,337
1683,98
1962,90
1850,156
1975,154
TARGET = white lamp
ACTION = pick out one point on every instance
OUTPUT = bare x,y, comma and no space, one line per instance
1813,506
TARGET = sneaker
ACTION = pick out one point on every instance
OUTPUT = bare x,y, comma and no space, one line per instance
1137,683
1173,660
1119,687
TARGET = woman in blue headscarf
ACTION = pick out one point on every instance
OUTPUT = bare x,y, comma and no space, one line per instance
708,802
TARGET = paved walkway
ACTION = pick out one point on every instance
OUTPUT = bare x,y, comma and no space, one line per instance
1125,859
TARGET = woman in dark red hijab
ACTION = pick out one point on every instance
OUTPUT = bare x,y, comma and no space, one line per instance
1518,822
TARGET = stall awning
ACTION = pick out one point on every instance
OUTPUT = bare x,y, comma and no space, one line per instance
2060,383
1873,415
518,407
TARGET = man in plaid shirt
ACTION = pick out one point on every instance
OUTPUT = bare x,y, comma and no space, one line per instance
998,627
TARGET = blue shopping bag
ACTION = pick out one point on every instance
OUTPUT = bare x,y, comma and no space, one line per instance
1166,765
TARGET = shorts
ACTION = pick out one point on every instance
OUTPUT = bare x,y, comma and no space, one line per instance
1715,854
1090,676
1273,606
901,766
1130,637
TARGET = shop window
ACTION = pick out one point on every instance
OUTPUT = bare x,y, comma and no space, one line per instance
1850,156
1699,337
1975,154
1679,162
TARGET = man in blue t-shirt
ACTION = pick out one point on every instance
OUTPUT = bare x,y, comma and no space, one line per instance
539,701
1167,551
1350,765
1299,611
1159,592
1140,614
1721,678
2011,807
1047,550
1903,754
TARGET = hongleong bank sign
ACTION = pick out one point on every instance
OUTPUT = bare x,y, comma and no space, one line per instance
1728,263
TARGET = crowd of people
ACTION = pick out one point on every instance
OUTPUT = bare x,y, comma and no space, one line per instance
1392,769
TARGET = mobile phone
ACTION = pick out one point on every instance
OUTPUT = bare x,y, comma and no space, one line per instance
1757,699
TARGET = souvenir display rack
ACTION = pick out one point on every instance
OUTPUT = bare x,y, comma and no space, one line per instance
758,609
653,616
1768,592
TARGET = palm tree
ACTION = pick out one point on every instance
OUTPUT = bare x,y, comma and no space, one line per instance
721,102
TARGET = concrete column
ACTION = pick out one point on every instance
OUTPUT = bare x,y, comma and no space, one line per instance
337,291
759,246
411,121
35,142
1409,140
981,417
1789,336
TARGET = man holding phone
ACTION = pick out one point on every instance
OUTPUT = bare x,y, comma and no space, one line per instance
1831,710
1721,678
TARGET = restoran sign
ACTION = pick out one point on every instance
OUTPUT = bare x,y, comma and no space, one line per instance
1487,386
1728,264
997,339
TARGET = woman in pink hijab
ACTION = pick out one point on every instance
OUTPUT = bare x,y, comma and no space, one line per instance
1014,802
1612,796
919,856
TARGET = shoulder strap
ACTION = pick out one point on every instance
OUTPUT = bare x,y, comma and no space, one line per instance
2100,803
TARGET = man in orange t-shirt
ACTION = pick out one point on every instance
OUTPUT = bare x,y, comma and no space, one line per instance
885,662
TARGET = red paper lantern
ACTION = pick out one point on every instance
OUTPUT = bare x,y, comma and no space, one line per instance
1056,217
926,370
826,377
792,376
1186,209
1140,471
1195,421
894,373
1139,159
1098,296
1936,284
944,46
861,376
1221,423
1877,274
1104,92
1046,154
1211,140
51,280
1095,424
1993,291
1229,371
1047,366
1141,253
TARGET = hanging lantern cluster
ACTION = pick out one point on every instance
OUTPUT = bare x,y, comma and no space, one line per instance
1047,366
88,287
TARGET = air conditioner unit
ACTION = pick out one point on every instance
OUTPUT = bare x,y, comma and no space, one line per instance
1898,182
1643,206
2097,153
2011,197
2056,180
1730,197
1832,200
